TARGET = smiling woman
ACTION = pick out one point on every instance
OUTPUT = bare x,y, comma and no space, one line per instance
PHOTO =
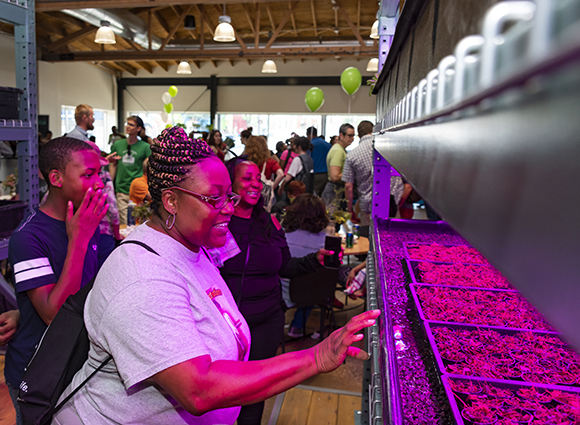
179,343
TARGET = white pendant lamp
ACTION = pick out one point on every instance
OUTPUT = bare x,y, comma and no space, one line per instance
105,34
224,32
375,30
373,65
183,68
269,67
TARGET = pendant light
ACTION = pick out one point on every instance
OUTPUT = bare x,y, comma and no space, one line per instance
183,68
105,34
375,30
373,65
269,67
224,32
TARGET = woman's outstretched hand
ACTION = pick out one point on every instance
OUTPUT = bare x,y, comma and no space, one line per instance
331,352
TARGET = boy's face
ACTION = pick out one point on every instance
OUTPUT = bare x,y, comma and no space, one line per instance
81,173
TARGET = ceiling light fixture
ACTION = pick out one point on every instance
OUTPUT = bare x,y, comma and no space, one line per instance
183,68
189,22
269,67
373,65
105,34
375,30
224,32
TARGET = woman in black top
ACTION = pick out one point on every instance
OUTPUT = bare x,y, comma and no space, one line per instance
253,276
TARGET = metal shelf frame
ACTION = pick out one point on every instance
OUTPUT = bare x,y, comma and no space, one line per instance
24,130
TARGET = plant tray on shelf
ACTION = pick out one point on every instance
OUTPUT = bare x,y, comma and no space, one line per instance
480,307
503,354
443,253
479,401
457,274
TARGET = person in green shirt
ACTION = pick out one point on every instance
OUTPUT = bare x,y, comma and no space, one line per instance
128,163
335,162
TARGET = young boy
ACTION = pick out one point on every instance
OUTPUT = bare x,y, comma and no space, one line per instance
54,252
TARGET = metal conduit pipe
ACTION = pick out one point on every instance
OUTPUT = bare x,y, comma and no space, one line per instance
123,23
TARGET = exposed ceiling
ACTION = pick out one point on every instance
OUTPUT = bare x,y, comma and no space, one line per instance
265,29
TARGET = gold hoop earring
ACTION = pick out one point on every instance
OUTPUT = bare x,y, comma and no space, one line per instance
172,219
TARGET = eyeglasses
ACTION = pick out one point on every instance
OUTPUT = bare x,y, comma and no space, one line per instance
218,202
349,135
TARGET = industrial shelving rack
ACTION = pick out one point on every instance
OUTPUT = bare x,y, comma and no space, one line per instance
489,136
20,13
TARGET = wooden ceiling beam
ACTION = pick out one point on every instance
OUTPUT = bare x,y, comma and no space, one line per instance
257,27
292,18
218,54
354,29
146,66
149,30
131,43
55,5
125,66
314,17
270,17
161,20
248,17
206,19
281,26
239,40
163,65
105,67
175,27
66,18
196,63
70,38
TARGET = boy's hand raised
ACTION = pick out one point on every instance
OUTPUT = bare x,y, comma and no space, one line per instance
81,225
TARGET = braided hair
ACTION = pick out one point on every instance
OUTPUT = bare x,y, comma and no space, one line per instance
172,153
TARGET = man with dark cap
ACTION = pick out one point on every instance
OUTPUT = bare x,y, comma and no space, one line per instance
132,152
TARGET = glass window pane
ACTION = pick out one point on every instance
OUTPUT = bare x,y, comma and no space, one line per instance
282,127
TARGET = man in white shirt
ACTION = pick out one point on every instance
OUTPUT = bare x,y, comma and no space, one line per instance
85,119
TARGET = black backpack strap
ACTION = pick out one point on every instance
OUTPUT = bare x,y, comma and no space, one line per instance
147,247
82,384
109,357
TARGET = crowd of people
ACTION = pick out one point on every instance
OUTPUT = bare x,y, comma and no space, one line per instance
194,323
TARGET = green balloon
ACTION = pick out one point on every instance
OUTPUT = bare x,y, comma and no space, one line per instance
350,80
314,99
168,108
168,126
172,91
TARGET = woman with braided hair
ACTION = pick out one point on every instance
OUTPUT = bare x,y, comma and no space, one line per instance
178,342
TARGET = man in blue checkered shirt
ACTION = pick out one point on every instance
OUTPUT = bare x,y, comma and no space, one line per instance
358,168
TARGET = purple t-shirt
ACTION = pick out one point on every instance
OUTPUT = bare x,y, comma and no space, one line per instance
37,252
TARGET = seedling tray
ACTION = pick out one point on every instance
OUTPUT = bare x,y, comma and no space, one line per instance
417,276
505,355
531,400
478,261
495,308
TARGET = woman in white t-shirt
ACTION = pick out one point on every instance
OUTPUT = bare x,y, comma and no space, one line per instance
178,342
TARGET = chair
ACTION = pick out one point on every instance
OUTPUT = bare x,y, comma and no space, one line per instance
315,289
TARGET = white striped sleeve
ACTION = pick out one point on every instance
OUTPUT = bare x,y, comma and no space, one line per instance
31,269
